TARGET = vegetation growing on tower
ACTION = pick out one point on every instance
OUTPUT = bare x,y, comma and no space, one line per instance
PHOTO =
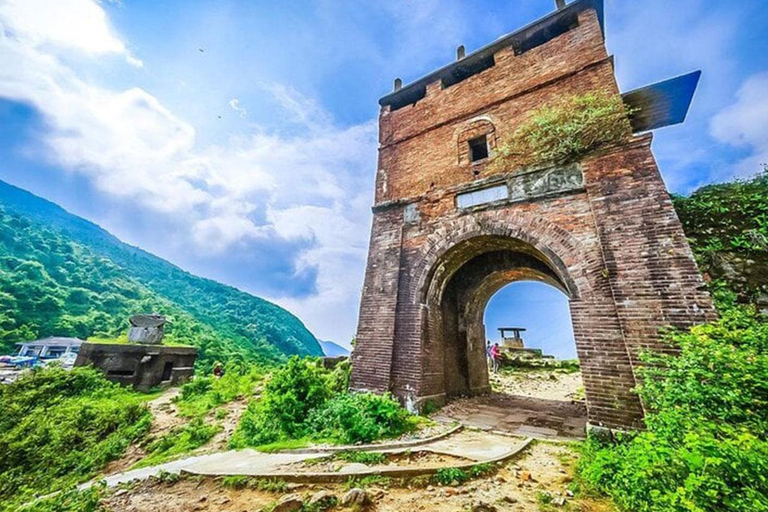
564,131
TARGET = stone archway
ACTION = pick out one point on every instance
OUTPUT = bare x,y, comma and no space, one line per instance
447,228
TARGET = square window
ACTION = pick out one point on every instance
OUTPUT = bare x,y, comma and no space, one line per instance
478,148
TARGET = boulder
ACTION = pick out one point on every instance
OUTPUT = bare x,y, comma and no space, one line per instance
288,503
354,497
322,500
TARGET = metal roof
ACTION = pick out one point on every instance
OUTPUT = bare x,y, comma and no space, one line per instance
661,104
54,340
530,36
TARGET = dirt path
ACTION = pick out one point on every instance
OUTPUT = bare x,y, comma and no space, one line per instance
164,419
541,475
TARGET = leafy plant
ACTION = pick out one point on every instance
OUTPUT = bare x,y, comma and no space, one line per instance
292,391
451,476
71,500
360,418
727,226
705,447
60,427
564,131
205,393
304,401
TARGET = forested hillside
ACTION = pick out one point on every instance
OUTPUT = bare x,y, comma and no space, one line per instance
727,226
62,275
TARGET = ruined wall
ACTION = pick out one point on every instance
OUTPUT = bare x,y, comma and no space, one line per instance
605,227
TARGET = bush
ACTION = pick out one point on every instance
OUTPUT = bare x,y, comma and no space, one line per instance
304,400
203,394
705,447
293,390
565,131
60,427
360,418
72,500
451,476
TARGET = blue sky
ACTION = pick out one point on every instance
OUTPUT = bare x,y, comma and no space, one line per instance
237,138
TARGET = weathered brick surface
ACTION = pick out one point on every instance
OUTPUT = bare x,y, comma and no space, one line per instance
614,246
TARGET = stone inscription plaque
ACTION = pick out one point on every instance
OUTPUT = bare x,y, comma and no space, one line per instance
546,182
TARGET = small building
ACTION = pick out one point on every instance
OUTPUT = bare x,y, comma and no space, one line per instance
142,366
511,337
144,362
51,348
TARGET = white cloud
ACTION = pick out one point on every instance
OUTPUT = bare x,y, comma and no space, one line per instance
63,25
745,123
255,189
234,103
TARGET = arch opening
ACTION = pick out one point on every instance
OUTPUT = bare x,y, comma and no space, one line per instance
462,284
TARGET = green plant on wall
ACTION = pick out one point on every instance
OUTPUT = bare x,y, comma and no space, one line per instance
565,131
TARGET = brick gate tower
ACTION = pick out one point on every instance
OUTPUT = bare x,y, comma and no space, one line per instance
449,230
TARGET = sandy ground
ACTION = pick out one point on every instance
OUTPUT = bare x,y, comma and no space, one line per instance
542,474
545,384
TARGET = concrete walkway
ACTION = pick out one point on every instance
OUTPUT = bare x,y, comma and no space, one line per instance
518,415
470,447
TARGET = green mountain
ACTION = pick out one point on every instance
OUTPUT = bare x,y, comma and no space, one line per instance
63,275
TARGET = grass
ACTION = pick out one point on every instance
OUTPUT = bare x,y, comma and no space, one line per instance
249,482
204,394
362,457
286,444
179,441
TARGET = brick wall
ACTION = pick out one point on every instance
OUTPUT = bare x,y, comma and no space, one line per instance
613,245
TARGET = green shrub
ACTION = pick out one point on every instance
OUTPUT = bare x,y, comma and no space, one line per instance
360,417
564,131
60,427
72,500
202,394
451,476
293,390
705,447
303,401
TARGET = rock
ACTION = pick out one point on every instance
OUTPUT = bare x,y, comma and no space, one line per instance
203,498
430,488
322,500
374,493
500,479
569,493
354,496
526,476
483,507
509,499
121,492
558,501
288,503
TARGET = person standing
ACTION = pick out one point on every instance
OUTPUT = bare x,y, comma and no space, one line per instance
495,356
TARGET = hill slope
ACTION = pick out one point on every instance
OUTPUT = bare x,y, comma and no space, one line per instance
727,226
63,275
